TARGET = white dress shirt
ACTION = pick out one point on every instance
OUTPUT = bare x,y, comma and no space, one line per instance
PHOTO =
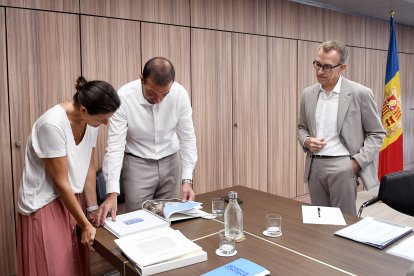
150,131
326,121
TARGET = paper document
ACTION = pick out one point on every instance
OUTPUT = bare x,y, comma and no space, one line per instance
322,215
375,232
134,222
185,260
404,249
156,246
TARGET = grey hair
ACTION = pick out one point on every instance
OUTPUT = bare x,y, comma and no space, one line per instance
336,45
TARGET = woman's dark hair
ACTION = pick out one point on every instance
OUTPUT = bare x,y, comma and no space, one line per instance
98,97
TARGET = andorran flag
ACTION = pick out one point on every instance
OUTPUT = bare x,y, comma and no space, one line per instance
391,154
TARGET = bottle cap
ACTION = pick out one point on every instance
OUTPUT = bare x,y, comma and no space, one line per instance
232,195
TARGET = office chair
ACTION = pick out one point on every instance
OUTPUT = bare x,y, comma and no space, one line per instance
397,191
101,189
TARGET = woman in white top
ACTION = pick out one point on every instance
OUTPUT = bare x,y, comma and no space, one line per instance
58,177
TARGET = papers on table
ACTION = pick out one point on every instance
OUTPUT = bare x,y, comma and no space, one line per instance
322,215
374,232
134,222
185,260
156,246
404,249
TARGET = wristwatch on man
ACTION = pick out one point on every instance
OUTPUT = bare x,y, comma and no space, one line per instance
187,181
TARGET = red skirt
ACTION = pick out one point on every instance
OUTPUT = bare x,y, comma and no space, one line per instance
48,243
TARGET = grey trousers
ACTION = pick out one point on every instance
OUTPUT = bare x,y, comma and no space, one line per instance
145,179
332,183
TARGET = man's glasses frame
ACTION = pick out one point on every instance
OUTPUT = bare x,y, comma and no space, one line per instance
325,67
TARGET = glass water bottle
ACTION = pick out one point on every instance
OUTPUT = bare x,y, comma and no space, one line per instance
233,218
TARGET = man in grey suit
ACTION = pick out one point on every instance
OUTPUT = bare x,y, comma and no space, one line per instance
340,130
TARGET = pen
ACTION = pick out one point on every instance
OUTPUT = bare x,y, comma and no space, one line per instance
319,212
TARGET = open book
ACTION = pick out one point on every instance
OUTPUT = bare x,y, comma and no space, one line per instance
374,232
173,209
160,250
154,214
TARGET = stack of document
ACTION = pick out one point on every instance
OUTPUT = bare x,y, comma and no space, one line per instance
374,232
405,249
160,250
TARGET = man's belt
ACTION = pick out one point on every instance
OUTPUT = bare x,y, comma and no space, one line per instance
327,156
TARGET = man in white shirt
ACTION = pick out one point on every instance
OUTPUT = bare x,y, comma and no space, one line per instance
340,130
148,135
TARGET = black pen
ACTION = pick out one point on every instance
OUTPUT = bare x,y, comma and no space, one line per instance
319,212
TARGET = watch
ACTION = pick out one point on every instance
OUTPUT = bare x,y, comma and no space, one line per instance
187,181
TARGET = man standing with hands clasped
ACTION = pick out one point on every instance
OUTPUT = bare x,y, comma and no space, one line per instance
150,139
340,130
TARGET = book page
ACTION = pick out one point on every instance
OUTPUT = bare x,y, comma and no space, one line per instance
156,246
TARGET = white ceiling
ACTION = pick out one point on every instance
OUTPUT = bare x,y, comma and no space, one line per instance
404,9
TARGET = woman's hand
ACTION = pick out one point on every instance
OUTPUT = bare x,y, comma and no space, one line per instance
88,236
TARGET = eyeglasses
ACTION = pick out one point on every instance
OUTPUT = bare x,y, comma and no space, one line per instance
325,67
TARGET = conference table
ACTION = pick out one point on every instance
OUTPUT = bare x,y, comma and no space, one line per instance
303,249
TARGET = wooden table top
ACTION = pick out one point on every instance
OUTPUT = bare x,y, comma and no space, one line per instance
302,249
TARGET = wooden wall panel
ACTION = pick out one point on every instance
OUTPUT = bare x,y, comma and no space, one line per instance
407,97
43,62
211,73
355,30
7,229
250,111
310,23
377,33
171,42
212,14
126,9
166,11
334,25
111,51
405,38
162,11
282,18
306,77
52,5
282,116
248,16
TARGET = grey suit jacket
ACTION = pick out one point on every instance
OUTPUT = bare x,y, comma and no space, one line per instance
359,126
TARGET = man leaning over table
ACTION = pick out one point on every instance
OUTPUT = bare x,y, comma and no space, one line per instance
149,138
340,130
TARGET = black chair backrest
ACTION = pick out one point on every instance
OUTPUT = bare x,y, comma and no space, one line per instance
397,191
101,188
